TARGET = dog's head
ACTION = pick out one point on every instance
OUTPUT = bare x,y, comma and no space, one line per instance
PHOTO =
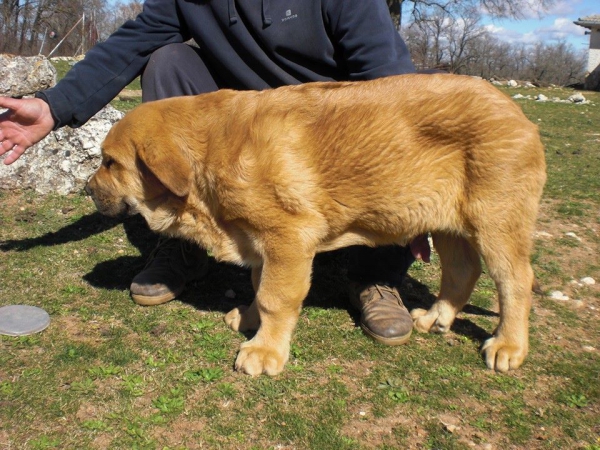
142,166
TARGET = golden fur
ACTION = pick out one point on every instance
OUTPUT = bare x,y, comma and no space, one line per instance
268,179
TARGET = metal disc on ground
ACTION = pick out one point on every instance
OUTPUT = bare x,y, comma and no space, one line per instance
22,320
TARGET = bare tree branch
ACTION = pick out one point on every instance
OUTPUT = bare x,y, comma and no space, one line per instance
496,8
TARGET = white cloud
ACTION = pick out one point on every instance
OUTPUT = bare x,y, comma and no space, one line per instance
494,29
561,29
531,9
511,36
530,38
563,8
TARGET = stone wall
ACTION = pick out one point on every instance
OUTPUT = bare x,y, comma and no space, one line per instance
24,76
594,52
592,81
65,159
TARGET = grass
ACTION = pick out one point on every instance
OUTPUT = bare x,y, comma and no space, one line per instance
110,374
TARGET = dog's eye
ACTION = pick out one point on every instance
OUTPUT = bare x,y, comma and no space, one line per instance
108,162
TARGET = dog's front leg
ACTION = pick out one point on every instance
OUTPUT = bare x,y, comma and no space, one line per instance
461,269
284,283
246,318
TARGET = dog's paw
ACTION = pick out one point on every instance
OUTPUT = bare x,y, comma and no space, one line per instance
256,359
503,356
435,320
243,318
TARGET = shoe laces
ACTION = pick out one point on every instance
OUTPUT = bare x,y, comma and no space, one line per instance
382,289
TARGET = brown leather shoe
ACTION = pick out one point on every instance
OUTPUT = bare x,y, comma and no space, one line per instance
171,265
383,315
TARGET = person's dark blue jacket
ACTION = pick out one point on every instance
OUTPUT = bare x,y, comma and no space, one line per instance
252,44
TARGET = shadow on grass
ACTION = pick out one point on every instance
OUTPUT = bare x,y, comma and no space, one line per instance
112,274
329,287
417,295
81,229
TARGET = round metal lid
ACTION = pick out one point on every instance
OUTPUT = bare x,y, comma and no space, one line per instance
22,320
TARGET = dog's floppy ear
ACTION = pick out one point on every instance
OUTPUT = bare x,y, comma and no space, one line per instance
168,163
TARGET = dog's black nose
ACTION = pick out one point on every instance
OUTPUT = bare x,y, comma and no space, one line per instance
87,190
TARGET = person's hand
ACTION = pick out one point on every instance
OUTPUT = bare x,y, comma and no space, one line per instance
26,122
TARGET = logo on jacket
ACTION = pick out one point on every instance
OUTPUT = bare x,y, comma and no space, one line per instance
289,16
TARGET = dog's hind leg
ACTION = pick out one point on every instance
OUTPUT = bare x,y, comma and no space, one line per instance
509,267
284,283
246,318
461,267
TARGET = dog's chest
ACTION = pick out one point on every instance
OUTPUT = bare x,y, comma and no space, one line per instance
225,240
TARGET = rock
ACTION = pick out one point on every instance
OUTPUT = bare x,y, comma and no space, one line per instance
63,161
451,428
573,235
542,234
577,98
589,281
558,295
21,76
450,423
512,83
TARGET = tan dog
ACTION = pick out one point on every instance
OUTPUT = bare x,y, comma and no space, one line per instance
268,179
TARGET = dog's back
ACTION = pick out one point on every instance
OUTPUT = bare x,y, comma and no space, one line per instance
397,156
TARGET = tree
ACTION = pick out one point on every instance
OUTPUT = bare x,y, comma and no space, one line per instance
426,42
28,26
554,63
464,31
496,8
119,14
445,38
455,40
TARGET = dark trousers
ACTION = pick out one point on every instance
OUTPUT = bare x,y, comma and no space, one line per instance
178,69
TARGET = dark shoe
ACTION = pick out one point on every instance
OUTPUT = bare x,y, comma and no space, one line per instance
171,265
383,315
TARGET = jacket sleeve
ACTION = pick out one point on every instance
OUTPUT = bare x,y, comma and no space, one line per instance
111,65
366,39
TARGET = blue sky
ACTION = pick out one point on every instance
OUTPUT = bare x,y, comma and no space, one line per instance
550,26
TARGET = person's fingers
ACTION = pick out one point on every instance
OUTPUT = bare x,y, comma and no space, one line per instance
5,145
9,102
7,140
14,154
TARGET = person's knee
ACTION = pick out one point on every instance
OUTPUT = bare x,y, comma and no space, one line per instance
176,70
165,59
